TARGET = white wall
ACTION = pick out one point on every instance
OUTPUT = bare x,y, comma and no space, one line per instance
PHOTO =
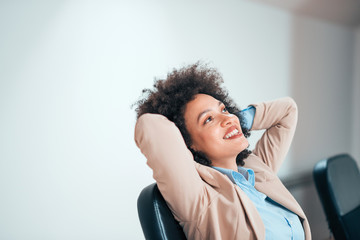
70,70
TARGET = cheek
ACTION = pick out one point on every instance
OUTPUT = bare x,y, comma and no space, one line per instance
209,138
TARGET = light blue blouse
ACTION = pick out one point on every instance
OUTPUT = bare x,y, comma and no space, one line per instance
280,223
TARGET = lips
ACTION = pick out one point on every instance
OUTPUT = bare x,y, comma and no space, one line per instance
232,132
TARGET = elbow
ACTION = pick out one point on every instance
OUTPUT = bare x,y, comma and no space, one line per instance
292,106
292,103
292,111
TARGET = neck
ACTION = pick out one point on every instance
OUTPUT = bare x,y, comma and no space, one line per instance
229,164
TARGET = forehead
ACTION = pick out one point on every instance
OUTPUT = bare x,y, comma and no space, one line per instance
200,104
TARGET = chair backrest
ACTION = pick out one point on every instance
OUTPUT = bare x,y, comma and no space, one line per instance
156,219
337,181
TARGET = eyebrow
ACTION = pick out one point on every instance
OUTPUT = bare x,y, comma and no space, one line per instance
205,111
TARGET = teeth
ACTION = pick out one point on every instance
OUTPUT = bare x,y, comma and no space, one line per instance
232,133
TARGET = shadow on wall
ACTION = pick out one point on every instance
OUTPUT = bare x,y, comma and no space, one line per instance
321,85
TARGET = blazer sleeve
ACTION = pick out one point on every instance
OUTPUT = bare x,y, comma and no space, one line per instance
279,118
172,163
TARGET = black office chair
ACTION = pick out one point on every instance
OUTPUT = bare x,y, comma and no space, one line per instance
156,219
337,181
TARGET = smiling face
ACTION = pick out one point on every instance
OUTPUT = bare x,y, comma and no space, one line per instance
214,131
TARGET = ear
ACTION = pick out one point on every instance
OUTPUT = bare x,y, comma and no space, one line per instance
193,147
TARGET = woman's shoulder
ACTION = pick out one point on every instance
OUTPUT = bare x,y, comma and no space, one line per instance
261,170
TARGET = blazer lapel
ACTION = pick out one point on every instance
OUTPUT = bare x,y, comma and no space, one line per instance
277,191
252,214
268,183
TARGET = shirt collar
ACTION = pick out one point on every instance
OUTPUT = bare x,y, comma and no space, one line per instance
247,173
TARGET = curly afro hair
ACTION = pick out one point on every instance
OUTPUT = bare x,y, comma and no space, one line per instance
170,96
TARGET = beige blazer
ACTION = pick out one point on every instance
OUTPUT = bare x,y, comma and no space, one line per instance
205,202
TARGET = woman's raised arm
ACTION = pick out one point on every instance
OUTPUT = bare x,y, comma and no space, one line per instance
172,163
279,118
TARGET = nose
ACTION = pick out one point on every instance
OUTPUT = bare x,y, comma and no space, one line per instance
228,120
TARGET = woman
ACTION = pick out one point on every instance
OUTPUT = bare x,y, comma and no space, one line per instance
228,192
